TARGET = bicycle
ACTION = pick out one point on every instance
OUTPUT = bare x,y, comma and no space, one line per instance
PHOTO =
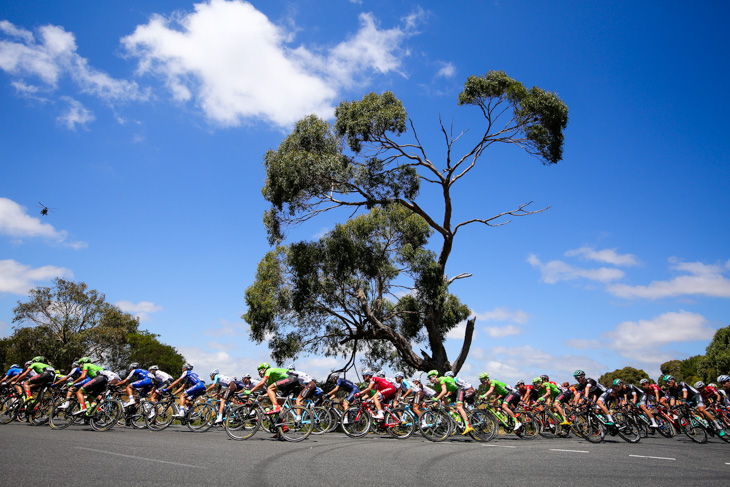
530,424
292,423
359,420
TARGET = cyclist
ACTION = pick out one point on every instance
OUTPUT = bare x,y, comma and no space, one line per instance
383,390
44,374
724,384
630,393
73,374
446,390
160,379
17,380
566,394
195,387
658,396
220,382
274,379
142,381
421,392
307,386
592,391
340,383
502,391
690,395
91,371
13,371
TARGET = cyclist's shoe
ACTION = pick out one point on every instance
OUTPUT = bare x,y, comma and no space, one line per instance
566,423
151,414
79,412
128,403
721,433
468,430
218,420
518,425
275,410
179,414
64,405
378,415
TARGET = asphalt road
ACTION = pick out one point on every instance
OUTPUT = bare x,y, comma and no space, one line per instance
128,457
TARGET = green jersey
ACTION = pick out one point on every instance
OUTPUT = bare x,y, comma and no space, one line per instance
276,375
451,385
40,367
500,388
91,370
554,391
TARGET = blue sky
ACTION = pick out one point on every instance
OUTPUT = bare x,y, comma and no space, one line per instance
145,124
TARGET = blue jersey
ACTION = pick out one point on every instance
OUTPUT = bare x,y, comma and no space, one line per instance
404,386
191,378
347,385
13,371
138,374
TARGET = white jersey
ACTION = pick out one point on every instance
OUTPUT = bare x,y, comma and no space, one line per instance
425,390
159,376
110,376
464,385
303,378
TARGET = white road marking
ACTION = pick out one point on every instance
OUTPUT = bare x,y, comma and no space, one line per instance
502,446
139,458
655,458
572,451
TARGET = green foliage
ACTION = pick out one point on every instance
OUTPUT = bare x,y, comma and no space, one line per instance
147,350
370,119
305,297
717,356
629,375
539,116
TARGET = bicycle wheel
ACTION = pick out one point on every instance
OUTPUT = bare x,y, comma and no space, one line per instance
8,410
484,423
435,425
356,422
531,427
41,411
242,422
550,424
322,420
295,423
201,417
693,429
106,416
163,416
587,426
628,429
62,418
336,419
666,429
400,423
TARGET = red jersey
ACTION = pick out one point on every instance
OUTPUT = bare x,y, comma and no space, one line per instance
382,384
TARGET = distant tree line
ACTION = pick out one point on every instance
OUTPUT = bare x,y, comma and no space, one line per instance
68,321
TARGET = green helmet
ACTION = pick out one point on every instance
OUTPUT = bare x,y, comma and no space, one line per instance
39,358
433,373
84,360
537,380
264,365
483,376
578,373
618,382
668,377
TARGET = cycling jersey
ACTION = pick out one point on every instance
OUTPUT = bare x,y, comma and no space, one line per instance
140,374
500,388
39,367
222,380
13,371
91,370
347,385
462,384
403,386
275,375
191,378
533,393
629,390
110,375
159,376
554,389
709,392
303,378
594,388
450,383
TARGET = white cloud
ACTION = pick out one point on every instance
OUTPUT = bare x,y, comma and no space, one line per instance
608,256
503,314
502,331
459,331
52,56
15,222
75,114
237,65
448,70
525,362
557,270
699,280
204,361
141,310
16,278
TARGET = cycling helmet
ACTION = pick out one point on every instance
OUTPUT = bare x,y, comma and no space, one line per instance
369,373
400,375
565,384
264,365
334,375
519,383
29,362
545,378
154,367
247,376
381,374
712,384
15,366
578,373
134,365
667,378
39,358
84,360
416,379
483,376
723,378
188,366
449,374
290,367
73,365
433,373
537,380
644,381
699,384
215,372
618,382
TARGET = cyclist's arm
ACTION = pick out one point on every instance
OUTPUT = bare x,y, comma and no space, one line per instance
442,393
21,376
333,392
260,384
82,377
